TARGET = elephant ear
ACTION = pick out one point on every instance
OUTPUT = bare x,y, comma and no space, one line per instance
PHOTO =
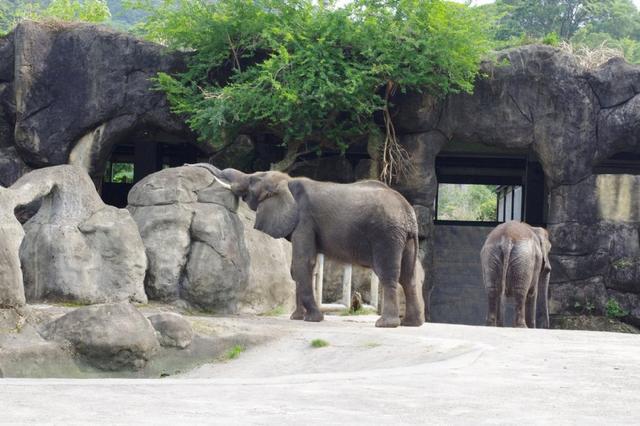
545,246
277,213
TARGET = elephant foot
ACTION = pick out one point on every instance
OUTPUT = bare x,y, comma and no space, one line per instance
297,315
523,325
411,322
316,316
388,322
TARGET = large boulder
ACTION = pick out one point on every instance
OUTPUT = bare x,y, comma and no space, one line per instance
11,235
76,248
172,329
107,79
202,247
110,336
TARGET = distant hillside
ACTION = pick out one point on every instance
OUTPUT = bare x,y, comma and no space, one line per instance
123,16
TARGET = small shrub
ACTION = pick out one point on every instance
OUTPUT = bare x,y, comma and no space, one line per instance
551,39
235,352
319,343
623,263
614,310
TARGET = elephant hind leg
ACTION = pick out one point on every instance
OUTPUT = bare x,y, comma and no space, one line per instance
414,314
531,309
387,265
492,278
495,308
390,312
298,314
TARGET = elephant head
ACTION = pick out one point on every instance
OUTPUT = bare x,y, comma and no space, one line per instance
545,272
267,193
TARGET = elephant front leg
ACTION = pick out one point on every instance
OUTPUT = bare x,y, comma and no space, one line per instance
302,266
298,314
390,312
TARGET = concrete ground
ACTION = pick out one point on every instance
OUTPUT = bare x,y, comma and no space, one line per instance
435,374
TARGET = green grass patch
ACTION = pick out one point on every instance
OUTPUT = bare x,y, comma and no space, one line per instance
235,351
277,311
361,311
371,345
319,343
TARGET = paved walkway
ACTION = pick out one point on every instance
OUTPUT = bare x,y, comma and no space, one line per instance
435,374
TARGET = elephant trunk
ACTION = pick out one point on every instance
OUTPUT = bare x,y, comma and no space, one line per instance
216,172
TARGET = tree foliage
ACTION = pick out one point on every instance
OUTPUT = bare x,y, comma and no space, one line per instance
11,12
467,202
614,24
312,72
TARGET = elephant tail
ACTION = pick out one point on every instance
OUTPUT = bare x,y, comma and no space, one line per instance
507,246
416,247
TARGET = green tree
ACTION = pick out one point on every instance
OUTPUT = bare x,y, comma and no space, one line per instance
11,12
312,73
536,19
591,24
467,202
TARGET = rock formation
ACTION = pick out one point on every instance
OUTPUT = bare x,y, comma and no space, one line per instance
172,329
110,337
75,248
202,247
69,92
11,235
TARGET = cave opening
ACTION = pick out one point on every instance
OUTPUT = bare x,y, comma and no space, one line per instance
142,153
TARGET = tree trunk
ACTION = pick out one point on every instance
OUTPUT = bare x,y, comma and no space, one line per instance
289,159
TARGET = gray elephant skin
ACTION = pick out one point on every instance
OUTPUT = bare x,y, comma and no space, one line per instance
515,263
364,223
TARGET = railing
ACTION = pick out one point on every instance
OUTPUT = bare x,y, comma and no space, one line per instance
318,277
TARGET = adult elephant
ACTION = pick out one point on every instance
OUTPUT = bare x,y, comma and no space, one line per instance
364,223
515,262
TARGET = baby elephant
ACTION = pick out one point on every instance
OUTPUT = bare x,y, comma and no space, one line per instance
515,262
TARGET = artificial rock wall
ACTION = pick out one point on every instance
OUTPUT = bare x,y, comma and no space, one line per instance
571,119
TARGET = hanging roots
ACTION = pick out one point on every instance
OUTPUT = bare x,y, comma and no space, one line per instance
396,162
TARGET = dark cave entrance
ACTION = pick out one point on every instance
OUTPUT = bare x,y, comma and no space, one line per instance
139,155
